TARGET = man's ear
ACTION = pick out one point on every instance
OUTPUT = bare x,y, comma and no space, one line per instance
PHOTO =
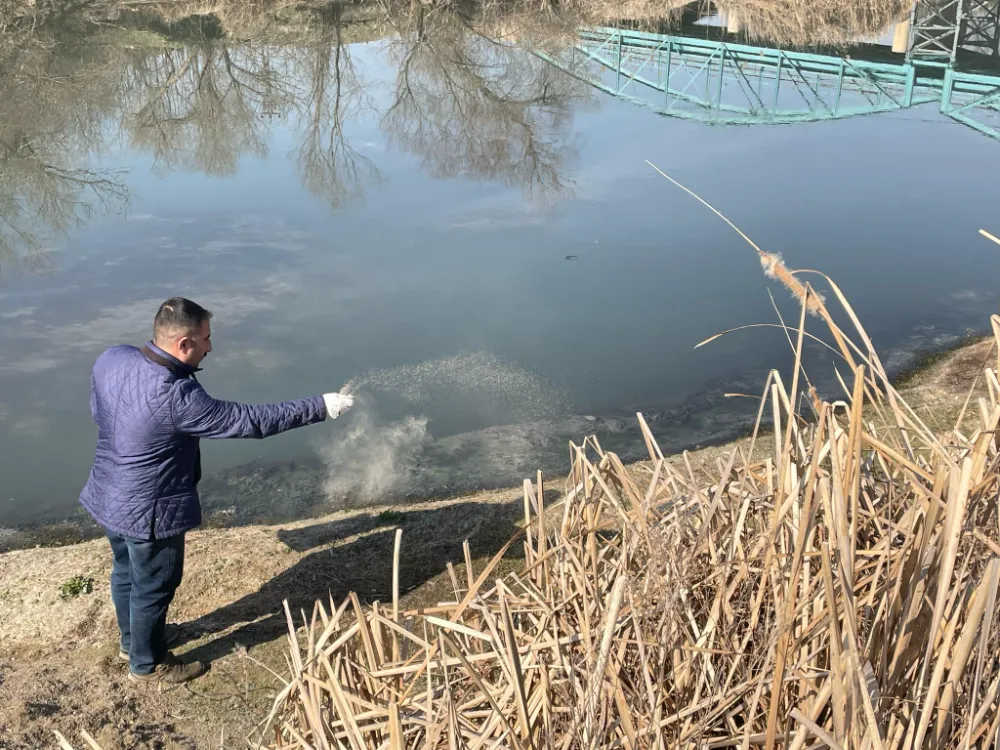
184,344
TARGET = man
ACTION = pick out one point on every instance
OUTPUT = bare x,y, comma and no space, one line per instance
150,413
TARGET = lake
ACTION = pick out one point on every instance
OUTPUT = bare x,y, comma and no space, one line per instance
436,202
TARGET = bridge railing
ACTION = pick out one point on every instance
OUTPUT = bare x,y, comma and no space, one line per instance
725,83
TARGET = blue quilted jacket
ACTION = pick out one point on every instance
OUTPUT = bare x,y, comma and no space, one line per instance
150,413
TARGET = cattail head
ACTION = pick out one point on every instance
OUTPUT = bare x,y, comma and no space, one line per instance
775,268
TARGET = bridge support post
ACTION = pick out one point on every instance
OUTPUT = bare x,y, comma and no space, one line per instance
911,80
936,26
946,90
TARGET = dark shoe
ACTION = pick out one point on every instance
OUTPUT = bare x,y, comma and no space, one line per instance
173,635
171,671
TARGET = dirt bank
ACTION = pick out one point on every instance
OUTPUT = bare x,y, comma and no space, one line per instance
58,663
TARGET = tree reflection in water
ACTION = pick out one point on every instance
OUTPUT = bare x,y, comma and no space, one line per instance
336,94
52,109
475,107
467,105
196,109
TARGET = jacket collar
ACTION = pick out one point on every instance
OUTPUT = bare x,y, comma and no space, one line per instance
155,354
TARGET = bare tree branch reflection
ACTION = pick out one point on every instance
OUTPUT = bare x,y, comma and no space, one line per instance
46,187
199,92
473,107
197,108
330,167
39,200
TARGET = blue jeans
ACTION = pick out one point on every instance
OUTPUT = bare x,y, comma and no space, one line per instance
144,577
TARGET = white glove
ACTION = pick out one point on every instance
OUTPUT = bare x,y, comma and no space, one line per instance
337,404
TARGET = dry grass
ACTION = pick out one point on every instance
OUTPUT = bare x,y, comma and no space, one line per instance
261,565
800,22
815,22
841,593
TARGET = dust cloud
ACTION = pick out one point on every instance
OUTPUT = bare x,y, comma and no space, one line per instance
372,458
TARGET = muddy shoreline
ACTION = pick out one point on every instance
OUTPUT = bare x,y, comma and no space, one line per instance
273,492
270,492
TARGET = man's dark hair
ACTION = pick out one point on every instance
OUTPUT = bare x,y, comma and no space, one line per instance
178,317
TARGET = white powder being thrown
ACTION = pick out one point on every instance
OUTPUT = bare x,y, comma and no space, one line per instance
475,379
371,458
368,459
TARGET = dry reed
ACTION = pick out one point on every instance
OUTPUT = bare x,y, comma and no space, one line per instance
88,740
772,263
839,593
815,22
806,22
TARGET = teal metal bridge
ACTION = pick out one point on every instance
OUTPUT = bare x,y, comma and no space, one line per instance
724,83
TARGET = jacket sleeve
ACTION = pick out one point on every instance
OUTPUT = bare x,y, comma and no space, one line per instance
196,413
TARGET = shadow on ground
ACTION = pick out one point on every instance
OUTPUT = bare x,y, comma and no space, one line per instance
362,564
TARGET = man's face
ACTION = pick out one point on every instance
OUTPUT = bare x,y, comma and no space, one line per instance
193,348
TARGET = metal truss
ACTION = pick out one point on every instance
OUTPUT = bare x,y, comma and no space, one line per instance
737,84
973,100
935,31
722,83
981,27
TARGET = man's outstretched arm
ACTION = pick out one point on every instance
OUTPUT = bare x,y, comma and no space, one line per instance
196,413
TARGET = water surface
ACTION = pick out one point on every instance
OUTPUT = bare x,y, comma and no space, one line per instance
347,205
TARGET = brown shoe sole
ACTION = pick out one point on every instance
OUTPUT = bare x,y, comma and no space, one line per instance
153,681
175,638
157,679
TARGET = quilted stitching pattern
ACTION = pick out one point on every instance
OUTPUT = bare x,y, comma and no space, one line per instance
143,484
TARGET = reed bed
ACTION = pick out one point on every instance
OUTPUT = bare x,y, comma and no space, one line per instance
833,583
816,22
839,592
798,22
